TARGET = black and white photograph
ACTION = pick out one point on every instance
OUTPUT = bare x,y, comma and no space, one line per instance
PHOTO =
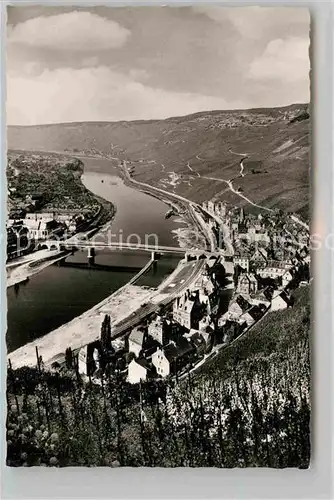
158,236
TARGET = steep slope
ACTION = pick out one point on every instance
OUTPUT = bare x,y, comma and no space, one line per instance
188,154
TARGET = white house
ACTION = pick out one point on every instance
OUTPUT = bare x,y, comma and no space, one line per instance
204,323
184,310
279,302
170,358
262,236
274,269
37,229
42,216
246,318
242,261
137,371
236,308
307,259
162,363
83,360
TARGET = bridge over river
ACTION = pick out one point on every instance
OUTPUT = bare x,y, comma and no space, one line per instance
75,243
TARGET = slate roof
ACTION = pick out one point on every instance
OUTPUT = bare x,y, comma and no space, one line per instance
175,350
285,297
137,336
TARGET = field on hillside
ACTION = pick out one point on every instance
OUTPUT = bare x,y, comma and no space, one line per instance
192,155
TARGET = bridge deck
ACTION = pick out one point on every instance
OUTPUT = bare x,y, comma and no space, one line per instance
132,246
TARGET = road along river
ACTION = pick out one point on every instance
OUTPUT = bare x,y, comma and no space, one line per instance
58,294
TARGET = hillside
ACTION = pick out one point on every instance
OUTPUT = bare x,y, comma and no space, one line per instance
251,407
188,154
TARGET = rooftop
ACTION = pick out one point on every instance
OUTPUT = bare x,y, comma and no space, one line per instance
175,350
137,336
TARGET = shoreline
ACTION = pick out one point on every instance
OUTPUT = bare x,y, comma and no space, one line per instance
108,209
89,321
103,219
78,332
183,234
25,354
85,328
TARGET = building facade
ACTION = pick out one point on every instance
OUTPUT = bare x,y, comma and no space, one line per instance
137,372
247,284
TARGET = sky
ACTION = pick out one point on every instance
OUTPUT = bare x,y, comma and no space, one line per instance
67,64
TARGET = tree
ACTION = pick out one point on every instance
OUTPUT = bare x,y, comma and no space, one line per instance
69,358
106,334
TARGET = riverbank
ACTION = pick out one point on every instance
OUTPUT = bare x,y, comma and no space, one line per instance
52,181
39,171
191,236
84,327
39,261
82,330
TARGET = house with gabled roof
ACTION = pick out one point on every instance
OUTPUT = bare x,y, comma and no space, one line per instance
280,301
247,319
237,307
171,358
274,269
259,257
253,314
186,309
139,370
136,341
287,277
247,284
241,260
158,329
205,323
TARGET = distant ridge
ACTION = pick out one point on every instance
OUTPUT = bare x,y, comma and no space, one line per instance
289,107
192,147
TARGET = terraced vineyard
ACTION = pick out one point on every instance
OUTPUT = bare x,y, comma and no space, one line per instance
190,154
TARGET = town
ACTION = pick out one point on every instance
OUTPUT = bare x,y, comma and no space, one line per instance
158,235
270,260
39,205
26,234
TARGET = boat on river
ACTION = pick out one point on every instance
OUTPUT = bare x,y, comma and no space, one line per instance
170,213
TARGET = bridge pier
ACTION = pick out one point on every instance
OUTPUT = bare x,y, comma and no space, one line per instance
91,255
155,255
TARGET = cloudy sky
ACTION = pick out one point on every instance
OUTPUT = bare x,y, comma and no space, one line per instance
107,64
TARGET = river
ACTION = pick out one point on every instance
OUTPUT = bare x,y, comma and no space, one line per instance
58,294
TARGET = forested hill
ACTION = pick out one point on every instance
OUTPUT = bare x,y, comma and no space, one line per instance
178,153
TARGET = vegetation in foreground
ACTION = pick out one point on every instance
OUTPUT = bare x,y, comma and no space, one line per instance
250,407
